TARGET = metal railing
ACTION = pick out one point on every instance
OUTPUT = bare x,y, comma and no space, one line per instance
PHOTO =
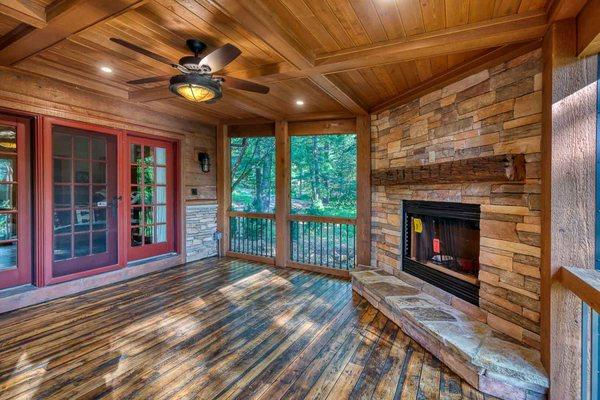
323,241
252,234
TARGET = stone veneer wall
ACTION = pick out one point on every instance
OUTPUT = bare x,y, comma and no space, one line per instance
497,111
201,224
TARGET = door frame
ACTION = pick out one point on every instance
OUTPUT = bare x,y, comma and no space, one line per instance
44,152
23,273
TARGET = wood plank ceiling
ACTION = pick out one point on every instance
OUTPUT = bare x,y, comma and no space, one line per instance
341,57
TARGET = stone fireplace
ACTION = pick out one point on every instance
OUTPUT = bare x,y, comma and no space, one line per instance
441,246
493,114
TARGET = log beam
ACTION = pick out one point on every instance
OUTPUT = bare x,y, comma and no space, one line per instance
502,168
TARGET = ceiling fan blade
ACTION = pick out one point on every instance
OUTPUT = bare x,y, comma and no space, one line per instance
145,52
235,83
150,80
220,57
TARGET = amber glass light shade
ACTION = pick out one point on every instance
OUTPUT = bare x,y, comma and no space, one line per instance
195,93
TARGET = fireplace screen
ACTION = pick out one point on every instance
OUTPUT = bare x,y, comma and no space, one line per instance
441,245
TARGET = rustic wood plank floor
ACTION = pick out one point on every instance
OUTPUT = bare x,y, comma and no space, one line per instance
226,329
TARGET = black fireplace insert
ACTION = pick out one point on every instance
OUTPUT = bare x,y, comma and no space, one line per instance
441,246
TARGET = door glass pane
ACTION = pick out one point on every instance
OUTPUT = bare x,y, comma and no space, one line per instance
82,171
62,196
8,196
99,219
82,147
8,139
148,195
136,153
149,175
161,175
98,149
148,216
62,221
82,220
99,172
161,156
8,226
99,242
82,195
136,196
61,145
8,255
136,216
62,170
161,233
148,235
8,168
99,196
148,155
136,237
62,247
136,175
82,244
161,214
161,195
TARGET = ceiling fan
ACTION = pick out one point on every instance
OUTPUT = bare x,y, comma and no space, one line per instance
196,82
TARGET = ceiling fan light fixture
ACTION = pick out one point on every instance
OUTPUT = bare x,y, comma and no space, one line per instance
195,88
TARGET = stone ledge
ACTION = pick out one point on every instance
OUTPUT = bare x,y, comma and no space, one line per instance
488,360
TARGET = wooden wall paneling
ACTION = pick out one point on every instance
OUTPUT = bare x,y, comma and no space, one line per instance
223,185
568,190
264,129
282,185
588,29
363,192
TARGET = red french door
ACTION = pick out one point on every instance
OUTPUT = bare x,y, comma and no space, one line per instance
84,207
15,195
150,197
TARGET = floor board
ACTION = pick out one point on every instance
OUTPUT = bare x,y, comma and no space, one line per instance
226,329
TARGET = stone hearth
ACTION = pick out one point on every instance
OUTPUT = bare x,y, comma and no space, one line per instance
487,359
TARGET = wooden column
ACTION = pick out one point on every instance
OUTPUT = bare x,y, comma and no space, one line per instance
363,190
282,190
568,191
223,185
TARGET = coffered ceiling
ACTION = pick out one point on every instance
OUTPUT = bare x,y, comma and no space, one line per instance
341,57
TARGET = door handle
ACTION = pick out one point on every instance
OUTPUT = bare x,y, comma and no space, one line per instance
114,204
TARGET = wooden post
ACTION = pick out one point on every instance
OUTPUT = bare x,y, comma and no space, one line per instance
363,190
223,186
282,190
568,189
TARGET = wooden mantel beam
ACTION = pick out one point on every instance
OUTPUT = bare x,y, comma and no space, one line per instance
25,11
66,20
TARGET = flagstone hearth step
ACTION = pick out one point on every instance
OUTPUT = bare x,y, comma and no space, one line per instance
489,360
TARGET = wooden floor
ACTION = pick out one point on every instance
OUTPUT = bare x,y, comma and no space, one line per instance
217,329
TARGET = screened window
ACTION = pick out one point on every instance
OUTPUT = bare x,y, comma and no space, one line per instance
323,175
253,174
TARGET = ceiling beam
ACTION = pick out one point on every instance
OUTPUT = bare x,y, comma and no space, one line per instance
477,36
261,22
25,11
460,71
588,29
563,9
71,19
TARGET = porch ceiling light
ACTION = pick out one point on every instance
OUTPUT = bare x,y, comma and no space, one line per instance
196,88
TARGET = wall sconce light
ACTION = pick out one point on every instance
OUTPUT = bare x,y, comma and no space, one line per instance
204,160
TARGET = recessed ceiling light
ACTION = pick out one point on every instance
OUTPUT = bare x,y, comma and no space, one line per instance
106,69
299,102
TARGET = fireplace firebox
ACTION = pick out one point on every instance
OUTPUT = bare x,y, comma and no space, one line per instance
441,246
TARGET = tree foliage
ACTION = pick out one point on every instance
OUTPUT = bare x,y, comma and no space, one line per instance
323,174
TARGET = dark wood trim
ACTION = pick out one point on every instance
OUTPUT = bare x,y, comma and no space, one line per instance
251,257
282,188
583,282
501,168
340,273
251,215
321,219
223,185
363,190
252,130
327,127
